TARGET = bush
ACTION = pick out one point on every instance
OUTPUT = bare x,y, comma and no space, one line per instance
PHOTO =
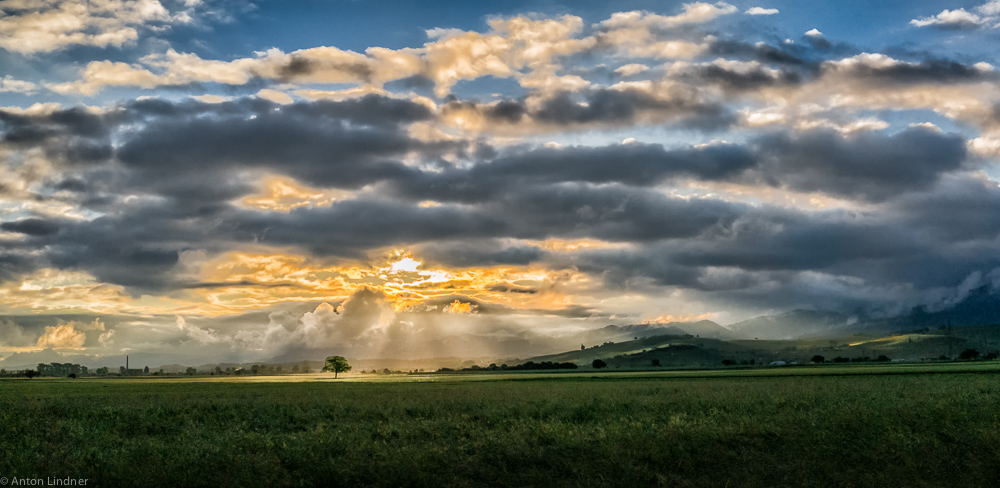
599,364
818,359
969,354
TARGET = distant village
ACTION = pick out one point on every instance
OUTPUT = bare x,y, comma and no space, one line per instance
71,370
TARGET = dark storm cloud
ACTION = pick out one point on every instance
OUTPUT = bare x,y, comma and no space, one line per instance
765,246
138,266
929,71
162,144
771,256
765,53
32,227
743,80
805,242
615,213
608,106
960,209
14,264
631,164
329,144
864,165
352,227
20,128
299,67
509,288
479,252
71,136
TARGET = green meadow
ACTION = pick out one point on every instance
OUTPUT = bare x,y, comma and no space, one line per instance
890,425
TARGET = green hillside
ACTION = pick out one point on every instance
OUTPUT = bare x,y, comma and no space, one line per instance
687,351
670,350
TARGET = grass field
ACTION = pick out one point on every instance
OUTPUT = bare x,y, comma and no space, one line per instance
907,425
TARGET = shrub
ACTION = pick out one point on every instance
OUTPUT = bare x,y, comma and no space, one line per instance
969,354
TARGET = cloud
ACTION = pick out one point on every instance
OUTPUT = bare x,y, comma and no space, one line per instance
48,25
106,338
761,11
194,333
952,19
625,103
450,56
961,19
879,68
861,165
529,50
62,336
735,75
631,69
363,320
34,227
275,96
785,55
10,85
13,335
694,13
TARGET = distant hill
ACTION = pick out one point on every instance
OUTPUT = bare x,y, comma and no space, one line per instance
671,350
707,328
793,325
619,333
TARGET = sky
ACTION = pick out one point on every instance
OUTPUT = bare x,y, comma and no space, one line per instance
223,180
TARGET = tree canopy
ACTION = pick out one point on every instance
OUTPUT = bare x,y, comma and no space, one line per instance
337,364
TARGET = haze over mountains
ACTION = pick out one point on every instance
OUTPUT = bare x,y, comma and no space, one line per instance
980,306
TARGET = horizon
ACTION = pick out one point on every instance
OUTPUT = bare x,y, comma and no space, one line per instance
238,182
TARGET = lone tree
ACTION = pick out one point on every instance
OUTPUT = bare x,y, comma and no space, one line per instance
337,364
598,364
31,373
818,359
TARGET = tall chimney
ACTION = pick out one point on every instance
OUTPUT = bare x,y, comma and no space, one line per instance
126,363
